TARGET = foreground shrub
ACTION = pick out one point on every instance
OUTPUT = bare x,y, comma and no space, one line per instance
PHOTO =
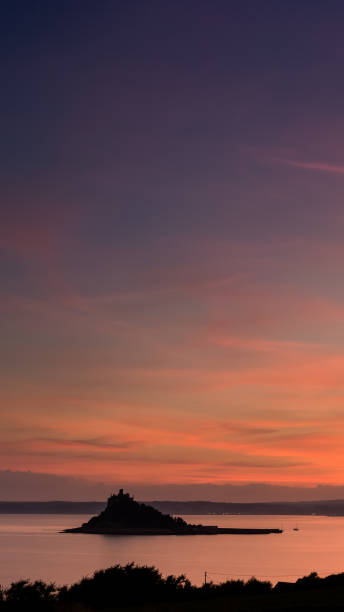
24,595
131,585
128,585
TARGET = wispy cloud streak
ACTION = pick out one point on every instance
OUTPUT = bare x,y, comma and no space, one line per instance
322,167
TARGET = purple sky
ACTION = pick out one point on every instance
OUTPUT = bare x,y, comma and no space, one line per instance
171,241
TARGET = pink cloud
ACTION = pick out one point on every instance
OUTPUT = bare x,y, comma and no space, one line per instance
283,156
323,167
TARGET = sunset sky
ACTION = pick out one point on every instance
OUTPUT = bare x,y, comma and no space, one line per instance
171,235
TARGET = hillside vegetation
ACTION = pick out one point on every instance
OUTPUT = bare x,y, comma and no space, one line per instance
144,589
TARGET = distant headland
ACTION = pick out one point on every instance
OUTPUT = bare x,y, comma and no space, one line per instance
306,508
125,516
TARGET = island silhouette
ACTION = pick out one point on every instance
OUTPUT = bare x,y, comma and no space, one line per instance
125,516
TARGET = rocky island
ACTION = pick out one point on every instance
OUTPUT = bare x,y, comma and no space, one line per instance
124,516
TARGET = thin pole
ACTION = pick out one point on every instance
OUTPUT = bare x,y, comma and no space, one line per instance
205,577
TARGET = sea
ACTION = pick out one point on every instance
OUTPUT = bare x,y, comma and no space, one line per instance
33,547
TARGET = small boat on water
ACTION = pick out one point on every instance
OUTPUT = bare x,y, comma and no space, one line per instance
296,529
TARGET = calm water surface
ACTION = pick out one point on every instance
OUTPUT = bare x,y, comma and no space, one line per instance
32,547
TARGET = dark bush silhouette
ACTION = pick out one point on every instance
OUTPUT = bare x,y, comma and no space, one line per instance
309,582
25,595
120,586
126,585
334,580
231,588
256,587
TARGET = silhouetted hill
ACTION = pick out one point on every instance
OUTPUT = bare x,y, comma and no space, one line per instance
125,516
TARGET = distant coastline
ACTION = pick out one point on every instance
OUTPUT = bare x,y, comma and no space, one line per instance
51,507
307,508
